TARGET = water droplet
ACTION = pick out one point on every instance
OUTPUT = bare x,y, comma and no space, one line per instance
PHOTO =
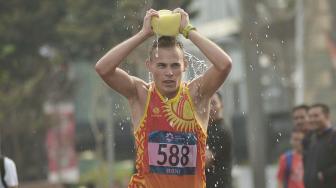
157,46
251,67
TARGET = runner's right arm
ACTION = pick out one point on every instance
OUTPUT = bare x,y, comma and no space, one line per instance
107,66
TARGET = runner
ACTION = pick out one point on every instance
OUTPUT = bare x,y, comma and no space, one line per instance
170,117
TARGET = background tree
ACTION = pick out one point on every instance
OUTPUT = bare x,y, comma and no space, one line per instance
28,66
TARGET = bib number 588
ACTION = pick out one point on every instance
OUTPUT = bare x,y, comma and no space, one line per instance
173,157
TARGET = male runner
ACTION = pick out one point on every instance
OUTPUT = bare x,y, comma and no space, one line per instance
170,117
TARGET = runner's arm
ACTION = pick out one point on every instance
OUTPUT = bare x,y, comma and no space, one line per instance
107,66
213,78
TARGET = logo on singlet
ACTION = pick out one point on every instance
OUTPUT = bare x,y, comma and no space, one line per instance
172,153
156,112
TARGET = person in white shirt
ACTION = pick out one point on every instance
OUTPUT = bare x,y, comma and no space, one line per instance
8,173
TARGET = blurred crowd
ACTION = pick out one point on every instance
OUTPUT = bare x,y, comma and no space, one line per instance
311,163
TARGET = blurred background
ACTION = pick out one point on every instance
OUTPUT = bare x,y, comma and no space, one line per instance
65,128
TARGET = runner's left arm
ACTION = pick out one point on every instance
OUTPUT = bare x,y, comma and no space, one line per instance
221,62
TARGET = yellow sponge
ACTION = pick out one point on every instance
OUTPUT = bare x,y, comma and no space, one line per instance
167,24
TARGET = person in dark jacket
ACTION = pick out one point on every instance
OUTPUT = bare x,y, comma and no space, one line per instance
319,156
219,147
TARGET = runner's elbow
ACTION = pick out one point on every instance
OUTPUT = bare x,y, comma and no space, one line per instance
229,64
100,69
226,65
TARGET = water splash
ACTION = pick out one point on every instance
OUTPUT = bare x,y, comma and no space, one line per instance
150,77
157,46
157,41
197,66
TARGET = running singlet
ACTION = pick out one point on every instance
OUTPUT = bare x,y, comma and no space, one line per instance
170,144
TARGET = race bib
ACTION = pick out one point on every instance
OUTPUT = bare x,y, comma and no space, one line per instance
172,153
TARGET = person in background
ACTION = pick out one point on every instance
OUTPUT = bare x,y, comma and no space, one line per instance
300,118
290,168
219,147
319,153
8,173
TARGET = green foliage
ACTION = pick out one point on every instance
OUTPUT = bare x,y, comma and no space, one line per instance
26,26
90,28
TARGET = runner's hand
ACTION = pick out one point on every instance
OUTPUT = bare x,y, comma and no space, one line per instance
147,27
184,18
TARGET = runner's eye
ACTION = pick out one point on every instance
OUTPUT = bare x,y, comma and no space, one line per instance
161,65
176,65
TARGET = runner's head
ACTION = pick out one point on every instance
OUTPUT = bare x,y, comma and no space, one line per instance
166,63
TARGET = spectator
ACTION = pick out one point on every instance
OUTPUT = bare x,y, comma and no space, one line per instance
8,173
219,144
290,171
319,154
300,117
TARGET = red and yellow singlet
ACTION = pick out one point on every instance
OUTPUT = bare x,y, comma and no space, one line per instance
170,144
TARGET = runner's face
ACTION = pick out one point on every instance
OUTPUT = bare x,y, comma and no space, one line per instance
167,70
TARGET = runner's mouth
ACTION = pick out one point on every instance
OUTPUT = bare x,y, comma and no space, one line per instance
169,81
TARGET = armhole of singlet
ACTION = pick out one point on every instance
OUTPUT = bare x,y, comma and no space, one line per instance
145,109
193,108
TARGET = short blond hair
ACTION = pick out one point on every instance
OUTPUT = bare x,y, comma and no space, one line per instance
165,42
